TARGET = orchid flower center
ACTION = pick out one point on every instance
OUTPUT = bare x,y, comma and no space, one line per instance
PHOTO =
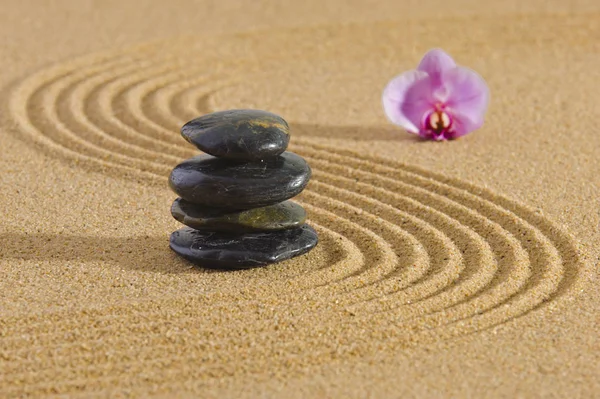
438,122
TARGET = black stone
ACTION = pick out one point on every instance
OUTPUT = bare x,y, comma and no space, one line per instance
240,134
285,215
242,251
216,182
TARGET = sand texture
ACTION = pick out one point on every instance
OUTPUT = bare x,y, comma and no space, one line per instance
457,269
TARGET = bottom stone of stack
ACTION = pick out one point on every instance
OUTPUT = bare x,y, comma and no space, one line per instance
242,250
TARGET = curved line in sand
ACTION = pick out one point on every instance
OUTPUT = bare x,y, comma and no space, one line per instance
545,254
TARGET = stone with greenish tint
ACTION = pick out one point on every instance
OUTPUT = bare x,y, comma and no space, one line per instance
285,215
215,182
239,134
242,250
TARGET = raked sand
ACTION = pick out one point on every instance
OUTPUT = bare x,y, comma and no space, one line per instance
457,269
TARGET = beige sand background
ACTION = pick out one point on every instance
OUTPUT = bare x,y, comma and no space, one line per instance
462,269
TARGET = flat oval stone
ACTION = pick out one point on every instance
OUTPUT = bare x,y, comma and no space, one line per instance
285,215
216,182
242,251
241,134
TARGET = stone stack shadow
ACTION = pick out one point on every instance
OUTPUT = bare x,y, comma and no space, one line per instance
235,198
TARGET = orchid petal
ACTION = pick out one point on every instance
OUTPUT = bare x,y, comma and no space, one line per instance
407,98
468,98
464,124
436,62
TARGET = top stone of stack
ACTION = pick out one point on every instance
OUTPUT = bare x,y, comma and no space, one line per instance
241,135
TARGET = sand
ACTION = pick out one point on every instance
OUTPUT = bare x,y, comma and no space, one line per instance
459,269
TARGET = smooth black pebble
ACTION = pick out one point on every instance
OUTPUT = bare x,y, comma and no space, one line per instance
215,182
242,251
239,134
285,215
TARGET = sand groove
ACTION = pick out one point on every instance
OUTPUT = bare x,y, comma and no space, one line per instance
426,255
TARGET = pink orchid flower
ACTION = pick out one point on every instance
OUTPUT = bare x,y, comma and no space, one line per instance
439,100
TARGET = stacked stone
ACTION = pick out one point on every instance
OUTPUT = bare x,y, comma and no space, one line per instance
234,198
